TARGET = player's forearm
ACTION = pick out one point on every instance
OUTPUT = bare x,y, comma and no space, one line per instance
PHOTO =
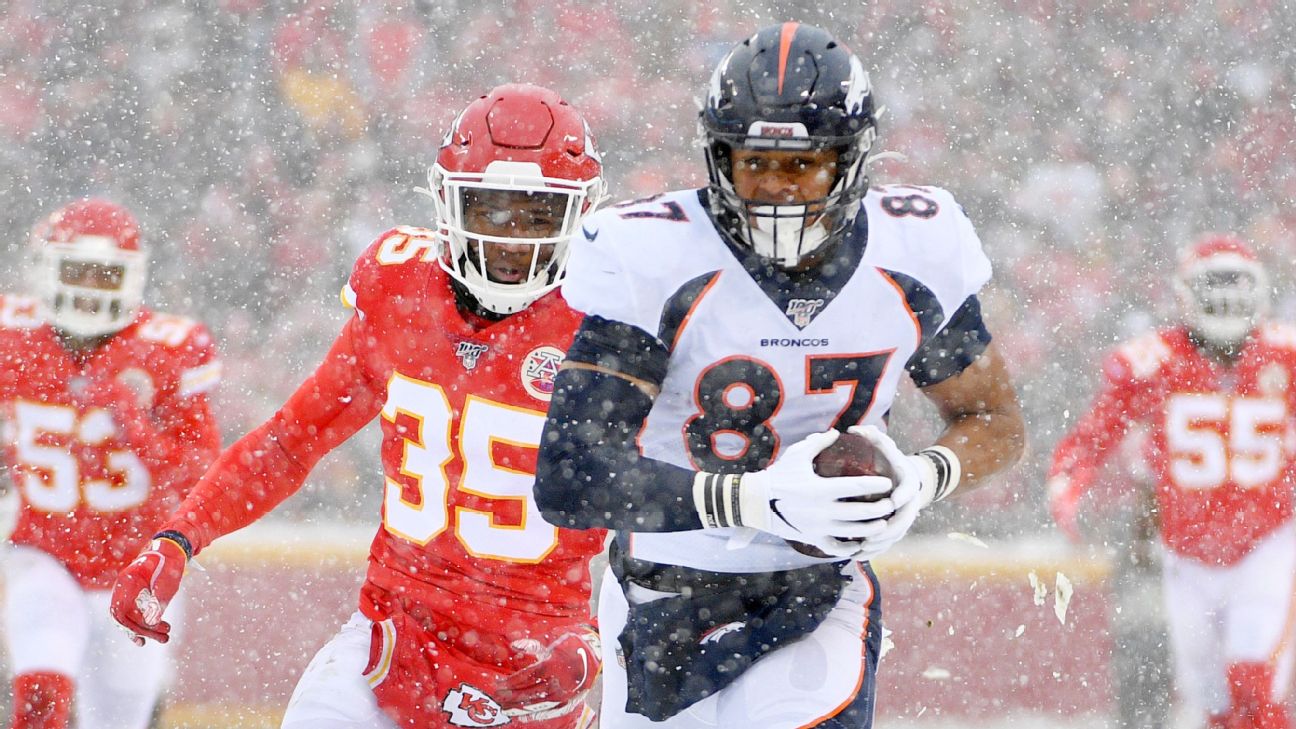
246,482
1084,450
271,463
985,443
983,418
590,474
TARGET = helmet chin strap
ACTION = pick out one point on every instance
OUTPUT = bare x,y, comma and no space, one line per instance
785,238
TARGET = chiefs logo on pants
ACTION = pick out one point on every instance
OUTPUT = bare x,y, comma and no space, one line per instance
469,706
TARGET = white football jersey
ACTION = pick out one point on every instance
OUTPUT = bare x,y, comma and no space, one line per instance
759,359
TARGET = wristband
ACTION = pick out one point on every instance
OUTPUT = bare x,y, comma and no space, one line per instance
717,499
947,471
181,540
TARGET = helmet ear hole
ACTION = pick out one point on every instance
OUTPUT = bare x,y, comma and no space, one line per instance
722,157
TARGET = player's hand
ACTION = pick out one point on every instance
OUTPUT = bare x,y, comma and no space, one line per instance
910,492
562,674
790,500
1064,503
144,589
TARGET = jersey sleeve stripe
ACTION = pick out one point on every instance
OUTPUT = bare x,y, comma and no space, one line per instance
922,302
200,379
908,304
619,347
681,305
952,349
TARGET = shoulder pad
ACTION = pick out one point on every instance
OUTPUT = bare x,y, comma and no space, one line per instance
198,367
1144,355
666,207
170,330
201,378
1279,334
19,312
393,249
922,232
630,258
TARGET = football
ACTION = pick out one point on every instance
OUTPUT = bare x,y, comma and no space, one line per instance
850,455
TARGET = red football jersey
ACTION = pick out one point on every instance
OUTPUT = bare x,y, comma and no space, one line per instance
102,446
1222,439
462,403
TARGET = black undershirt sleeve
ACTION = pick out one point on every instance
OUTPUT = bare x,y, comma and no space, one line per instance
590,473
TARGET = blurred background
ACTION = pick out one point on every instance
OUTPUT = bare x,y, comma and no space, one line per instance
265,143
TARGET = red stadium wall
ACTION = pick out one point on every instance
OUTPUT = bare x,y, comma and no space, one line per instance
968,640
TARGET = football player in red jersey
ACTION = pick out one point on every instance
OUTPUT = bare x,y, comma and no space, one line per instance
474,611
1216,392
106,426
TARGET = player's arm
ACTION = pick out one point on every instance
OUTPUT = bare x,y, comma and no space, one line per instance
249,479
1090,442
272,462
591,474
984,429
962,372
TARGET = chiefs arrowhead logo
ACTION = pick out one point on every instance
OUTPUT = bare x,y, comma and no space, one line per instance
470,706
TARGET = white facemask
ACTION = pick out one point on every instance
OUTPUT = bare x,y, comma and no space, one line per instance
778,232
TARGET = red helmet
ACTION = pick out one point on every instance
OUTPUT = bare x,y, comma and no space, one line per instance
1222,288
518,147
90,266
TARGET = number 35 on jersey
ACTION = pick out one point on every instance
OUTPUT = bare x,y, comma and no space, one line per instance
494,446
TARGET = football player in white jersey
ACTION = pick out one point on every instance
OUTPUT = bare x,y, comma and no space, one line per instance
731,334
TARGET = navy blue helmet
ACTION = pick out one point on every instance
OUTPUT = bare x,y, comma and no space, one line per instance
789,87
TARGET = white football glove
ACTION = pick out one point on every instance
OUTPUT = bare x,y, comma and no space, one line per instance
920,479
788,499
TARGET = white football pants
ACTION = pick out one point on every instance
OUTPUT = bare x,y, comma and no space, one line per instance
333,692
1223,615
53,624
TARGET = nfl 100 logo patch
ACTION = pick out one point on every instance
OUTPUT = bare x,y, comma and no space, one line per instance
802,311
469,352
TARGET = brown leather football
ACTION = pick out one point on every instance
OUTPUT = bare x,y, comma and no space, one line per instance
849,455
